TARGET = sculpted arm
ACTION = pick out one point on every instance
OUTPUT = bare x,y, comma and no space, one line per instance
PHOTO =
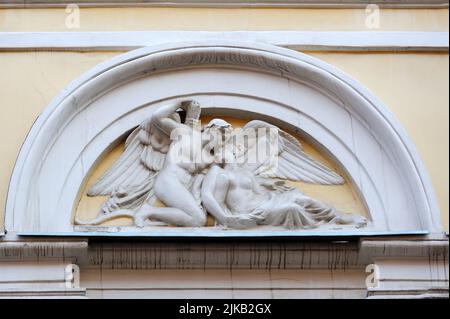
215,184
163,119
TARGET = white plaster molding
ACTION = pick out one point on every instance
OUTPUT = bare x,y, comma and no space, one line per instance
229,78
227,3
296,40
225,283
44,279
411,278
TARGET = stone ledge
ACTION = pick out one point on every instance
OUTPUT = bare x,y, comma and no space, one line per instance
354,41
412,247
26,249
431,293
227,3
42,293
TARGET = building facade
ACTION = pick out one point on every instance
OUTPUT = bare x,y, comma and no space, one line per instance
95,204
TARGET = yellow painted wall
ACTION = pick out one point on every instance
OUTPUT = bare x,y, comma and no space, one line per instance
415,89
131,19
28,81
413,86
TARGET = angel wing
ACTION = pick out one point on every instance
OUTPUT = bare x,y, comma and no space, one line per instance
129,182
289,162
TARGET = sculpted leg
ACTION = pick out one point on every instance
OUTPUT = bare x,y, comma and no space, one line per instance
325,213
182,209
169,215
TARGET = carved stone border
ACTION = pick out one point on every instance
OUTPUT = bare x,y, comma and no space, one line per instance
34,174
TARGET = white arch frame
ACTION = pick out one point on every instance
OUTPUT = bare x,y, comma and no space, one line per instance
331,107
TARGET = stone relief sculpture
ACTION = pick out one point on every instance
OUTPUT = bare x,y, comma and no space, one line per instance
239,177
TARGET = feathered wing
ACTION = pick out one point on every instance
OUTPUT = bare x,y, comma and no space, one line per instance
289,160
129,182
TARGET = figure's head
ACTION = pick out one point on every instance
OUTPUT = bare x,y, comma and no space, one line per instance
218,124
219,130
218,133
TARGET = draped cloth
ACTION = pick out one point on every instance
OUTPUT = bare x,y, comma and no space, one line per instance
293,210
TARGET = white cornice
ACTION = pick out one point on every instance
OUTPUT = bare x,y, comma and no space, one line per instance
227,3
111,254
296,40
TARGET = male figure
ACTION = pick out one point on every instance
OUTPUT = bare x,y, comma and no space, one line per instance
180,176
